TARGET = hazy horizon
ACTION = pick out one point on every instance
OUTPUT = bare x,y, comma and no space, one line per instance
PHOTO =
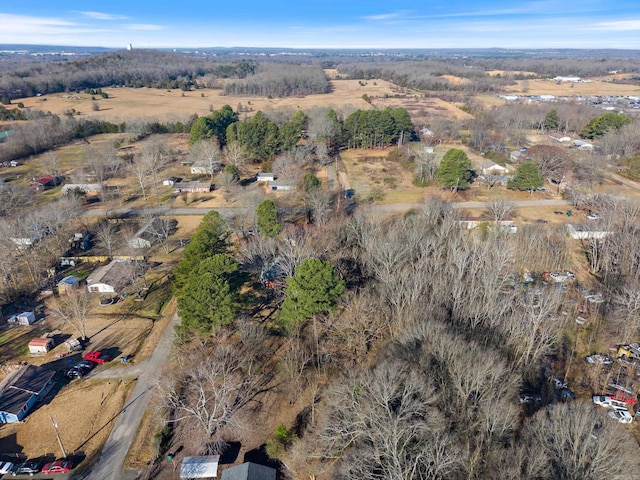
593,24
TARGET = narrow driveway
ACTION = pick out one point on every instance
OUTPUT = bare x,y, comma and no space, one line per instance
111,462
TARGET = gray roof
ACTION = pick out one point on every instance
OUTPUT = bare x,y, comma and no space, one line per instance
29,381
115,273
249,471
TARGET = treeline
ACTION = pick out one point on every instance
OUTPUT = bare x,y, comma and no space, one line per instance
263,138
45,132
135,68
424,75
281,81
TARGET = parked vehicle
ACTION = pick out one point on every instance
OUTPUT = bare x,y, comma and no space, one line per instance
622,416
5,467
597,358
27,468
59,466
97,357
593,216
608,402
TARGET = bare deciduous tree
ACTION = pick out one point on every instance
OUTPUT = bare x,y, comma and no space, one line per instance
74,308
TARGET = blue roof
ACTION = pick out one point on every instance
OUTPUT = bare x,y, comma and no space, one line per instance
70,280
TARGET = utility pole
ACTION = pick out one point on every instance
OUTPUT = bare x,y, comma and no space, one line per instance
55,427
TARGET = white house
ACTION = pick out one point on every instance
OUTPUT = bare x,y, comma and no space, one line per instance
281,186
265,177
110,278
491,168
565,79
23,243
583,232
205,168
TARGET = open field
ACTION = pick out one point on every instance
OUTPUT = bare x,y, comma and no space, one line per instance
550,87
124,104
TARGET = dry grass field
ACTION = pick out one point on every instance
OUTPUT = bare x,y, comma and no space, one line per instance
124,104
494,73
550,87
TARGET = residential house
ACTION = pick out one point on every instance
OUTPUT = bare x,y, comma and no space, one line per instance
586,232
471,223
109,278
203,168
46,182
281,186
170,182
582,145
200,467
22,390
193,187
86,188
145,237
571,79
518,156
560,139
249,471
40,346
23,243
491,168
265,177
67,284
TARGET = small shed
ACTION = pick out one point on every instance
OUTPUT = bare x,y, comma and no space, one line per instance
67,284
40,346
24,318
249,471
200,467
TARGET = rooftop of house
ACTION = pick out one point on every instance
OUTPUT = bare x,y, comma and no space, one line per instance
114,273
17,389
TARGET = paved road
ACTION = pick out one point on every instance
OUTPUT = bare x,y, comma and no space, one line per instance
228,212
110,464
517,203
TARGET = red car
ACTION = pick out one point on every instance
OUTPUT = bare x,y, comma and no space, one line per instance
96,357
59,466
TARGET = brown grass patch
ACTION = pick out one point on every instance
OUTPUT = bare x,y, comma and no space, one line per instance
502,73
550,87
422,107
84,411
456,80
124,104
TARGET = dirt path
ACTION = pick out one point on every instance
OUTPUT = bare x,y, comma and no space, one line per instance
114,452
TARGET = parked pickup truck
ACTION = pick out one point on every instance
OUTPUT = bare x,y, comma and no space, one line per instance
97,357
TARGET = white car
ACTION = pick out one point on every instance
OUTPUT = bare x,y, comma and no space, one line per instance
622,416
5,467
593,216
608,402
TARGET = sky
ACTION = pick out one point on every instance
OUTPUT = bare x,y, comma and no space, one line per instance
323,24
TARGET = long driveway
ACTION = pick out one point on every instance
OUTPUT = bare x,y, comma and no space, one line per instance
111,462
